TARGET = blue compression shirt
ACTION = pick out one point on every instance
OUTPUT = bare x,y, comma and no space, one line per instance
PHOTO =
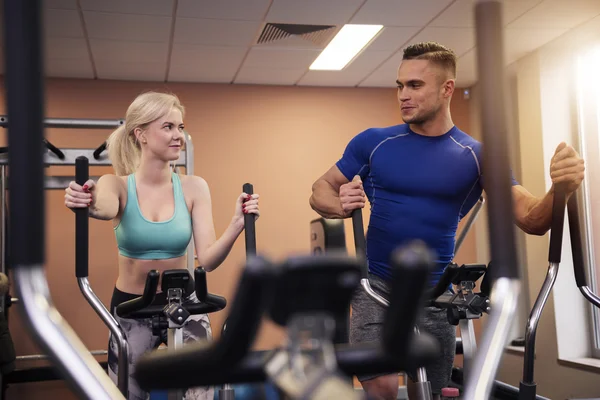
419,187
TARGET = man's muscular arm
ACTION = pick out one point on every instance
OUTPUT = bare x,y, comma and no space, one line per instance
334,197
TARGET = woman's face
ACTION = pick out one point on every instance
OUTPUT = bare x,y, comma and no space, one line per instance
164,137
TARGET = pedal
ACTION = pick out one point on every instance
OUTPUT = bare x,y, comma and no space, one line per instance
176,313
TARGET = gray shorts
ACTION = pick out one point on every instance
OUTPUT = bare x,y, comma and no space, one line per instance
366,324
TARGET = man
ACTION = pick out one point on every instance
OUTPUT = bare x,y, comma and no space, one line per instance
421,178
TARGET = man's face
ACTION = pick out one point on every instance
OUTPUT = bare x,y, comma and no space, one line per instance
422,89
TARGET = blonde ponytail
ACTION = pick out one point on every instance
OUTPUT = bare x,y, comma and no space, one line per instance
124,151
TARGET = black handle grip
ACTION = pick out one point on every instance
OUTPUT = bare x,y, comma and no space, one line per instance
360,243
82,174
99,150
201,286
576,240
218,302
411,266
139,303
558,221
442,284
54,149
249,225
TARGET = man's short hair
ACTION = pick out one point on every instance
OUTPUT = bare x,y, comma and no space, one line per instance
434,52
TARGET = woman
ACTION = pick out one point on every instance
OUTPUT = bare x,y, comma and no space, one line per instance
155,213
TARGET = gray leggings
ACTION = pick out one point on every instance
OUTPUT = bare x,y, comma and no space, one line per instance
140,339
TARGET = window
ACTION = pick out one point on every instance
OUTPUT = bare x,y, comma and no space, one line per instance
588,115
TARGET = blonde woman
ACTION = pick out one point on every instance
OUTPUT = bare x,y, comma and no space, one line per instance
155,213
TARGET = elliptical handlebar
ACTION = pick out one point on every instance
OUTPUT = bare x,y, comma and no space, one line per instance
577,250
125,309
249,225
82,174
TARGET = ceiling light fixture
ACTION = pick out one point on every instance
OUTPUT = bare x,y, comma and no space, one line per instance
344,47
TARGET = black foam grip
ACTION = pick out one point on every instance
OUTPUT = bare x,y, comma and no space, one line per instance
174,368
558,222
82,221
139,303
411,266
99,150
360,243
218,302
443,283
576,240
249,225
527,390
358,358
24,80
57,152
200,284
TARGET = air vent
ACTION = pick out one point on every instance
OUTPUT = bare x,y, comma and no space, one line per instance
296,34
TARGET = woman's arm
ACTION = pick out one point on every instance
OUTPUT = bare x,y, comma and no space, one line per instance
102,198
210,250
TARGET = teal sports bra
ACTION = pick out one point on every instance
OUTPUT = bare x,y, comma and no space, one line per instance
138,237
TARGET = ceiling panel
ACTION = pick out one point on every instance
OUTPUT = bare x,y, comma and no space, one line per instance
60,4
280,58
129,52
399,12
67,57
385,74
314,12
138,71
349,76
461,14
147,7
520,42
247,10
460,40
62,23
215,32
392,37
268,76
205,64
466,69
64,68
127,27
66,48
558,14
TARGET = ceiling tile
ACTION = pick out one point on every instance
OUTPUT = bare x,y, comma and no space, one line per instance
268,76
129,52
60,4
127,27
392,38
520,42
205,64
147,7
313,12
138,71
280,58
460,40
461,13
64,68
66,48
62,23
215,32
556,14
349,76
385,74
399,12
466,69
247,10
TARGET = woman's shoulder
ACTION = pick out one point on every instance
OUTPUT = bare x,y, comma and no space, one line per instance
193,183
